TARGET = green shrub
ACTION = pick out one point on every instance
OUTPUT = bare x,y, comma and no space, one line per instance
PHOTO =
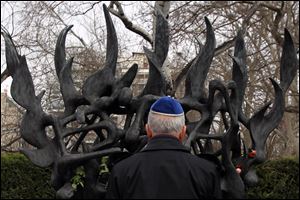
278,179
20,179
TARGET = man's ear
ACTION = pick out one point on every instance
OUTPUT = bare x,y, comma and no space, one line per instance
182,134
148,130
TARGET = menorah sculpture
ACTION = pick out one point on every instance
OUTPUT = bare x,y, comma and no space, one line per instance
104,95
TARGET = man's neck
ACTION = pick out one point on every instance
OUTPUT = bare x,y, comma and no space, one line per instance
164,135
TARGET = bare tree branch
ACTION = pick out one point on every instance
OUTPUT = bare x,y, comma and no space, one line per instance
275,28
128,24
292,109
89,9
60,19
273,8
10,143
163,6
223,47
250,13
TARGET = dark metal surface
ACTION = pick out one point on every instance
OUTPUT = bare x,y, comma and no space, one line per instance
103,95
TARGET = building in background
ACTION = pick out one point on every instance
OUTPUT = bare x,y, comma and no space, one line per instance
141,77
11,116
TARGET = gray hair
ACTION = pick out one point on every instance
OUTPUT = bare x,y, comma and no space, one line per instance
165,124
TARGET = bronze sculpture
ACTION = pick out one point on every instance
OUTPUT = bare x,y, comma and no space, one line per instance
104,95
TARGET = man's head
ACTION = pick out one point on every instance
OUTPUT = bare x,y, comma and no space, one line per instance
166,116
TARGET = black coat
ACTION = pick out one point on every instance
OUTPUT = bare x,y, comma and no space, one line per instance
164,169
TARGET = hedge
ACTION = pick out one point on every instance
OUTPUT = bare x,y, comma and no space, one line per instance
20,179
278,179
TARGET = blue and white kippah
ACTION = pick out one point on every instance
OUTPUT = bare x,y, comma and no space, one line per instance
167,106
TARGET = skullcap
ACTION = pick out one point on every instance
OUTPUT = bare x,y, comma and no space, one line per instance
167,106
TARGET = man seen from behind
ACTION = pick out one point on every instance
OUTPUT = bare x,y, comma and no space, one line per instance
164,169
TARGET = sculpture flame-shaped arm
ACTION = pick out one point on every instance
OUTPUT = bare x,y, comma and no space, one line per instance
22,88
288,63
156,83
239,71
262,124
198,71
72,98
111,42
100,83
35,120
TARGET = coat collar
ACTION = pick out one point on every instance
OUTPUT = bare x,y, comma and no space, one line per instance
164,142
